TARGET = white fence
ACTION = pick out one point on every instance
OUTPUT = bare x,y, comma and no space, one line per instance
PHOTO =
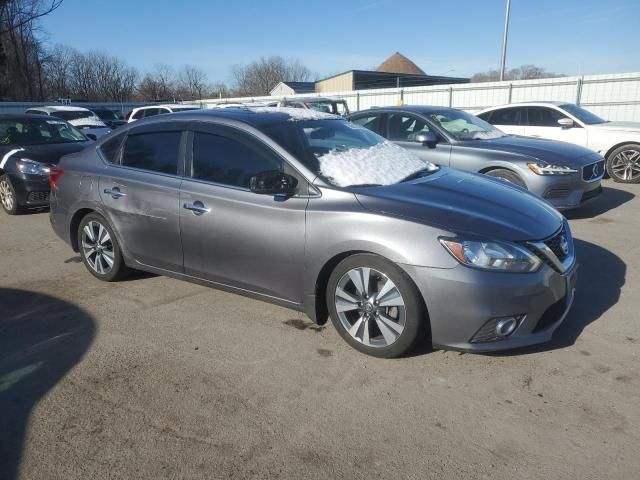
615,96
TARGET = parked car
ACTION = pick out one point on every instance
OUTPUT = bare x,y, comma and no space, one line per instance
618,142
111,117
29,145
565,175
308,211
81,118
152,110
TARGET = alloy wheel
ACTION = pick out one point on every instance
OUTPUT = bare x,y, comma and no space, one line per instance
97,247
6,195
626,165
370,307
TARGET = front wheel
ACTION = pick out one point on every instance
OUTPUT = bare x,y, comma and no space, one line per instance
623,164
507,175
8,198
100,250
375,306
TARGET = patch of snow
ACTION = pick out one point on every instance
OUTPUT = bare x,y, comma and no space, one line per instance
87,122
382,164
488,135
66,108
296,114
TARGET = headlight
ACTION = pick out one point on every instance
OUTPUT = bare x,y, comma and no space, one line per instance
541,168
492,255
24,165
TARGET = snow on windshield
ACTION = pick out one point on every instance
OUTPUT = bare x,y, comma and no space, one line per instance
381,164
488,135
87,122
296,114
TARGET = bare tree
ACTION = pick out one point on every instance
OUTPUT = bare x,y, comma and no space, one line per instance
260,76
524,72
159,84
192,83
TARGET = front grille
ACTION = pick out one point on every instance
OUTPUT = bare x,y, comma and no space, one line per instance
38,197
551,315
593,171
554,244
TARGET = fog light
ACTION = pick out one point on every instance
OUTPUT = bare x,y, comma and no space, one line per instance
506,326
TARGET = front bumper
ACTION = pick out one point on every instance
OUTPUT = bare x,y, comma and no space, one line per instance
32,191
565,192
461,300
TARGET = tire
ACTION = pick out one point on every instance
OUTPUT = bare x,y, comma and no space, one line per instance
508,175
390,319
99,249
623,164
8,198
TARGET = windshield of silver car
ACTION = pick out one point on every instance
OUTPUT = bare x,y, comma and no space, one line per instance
347,155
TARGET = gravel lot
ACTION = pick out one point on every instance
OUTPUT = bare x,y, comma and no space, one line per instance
155,378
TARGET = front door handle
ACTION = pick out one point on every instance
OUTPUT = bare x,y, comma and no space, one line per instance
197,208
114,192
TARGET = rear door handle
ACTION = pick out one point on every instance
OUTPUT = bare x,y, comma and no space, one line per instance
114,192
197,208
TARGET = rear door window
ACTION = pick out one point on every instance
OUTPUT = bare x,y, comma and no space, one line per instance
153,151
110,150
506,116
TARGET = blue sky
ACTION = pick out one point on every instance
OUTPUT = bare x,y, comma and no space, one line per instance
456,38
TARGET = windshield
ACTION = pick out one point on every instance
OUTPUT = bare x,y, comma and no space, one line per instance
25,132
344,154
585,116
183,109
464,126
73,114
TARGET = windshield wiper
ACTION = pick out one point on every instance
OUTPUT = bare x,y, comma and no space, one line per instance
423,172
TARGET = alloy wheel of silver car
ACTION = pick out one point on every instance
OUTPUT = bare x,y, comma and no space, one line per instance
370,307
626,165
97,247
6,195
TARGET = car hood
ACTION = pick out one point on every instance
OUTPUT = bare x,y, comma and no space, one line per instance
618,126
49,154
466,203
551,151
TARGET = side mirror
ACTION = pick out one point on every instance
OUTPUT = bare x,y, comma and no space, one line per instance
565,123
426,138
273,182
91,136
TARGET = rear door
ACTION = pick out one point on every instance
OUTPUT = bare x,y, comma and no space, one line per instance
231,235
542,122
509,120
140,191
402,129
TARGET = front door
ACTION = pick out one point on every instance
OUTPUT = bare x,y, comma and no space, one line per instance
231,235
543,123
402,129
141,195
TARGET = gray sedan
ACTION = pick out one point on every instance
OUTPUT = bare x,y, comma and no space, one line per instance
565,175
306,210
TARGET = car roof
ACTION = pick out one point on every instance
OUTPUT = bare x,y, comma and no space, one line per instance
420,109
251,116
60,108
167,105
21,116
525,104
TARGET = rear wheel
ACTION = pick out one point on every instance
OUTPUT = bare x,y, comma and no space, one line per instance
375,306
623,164
8,198
100,250
507,175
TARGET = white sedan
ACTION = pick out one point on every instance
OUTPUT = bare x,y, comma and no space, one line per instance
618,142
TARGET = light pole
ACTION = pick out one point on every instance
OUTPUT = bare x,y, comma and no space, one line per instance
504,41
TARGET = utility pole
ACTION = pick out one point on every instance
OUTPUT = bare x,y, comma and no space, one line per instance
504,41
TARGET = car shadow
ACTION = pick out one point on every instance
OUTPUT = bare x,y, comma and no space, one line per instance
601,276
611,198
41,339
